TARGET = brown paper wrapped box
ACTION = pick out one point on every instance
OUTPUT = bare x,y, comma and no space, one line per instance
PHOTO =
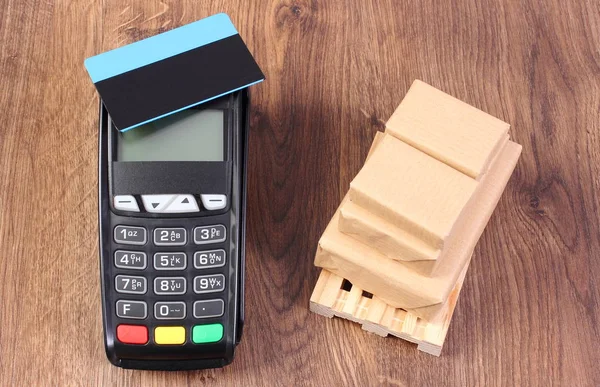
408,193
448,129
393,281
412,190
389,239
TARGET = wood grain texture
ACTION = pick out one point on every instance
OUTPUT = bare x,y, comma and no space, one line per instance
528,312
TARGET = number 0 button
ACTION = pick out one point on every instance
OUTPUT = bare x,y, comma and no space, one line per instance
129,235
170,236
171,310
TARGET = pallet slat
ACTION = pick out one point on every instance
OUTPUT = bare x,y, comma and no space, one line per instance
375,316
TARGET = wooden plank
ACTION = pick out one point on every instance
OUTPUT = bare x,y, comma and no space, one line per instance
384,320
448,129
351,305
428,206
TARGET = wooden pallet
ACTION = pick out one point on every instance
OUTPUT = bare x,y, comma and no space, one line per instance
330,299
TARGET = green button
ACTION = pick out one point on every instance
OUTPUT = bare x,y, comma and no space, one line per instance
209,333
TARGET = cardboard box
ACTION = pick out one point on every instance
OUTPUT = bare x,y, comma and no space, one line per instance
412,190
447,129
390,240
393,281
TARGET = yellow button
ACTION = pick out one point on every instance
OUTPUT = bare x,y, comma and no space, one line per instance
169,335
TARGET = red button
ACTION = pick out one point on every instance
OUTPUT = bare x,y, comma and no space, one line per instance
132,334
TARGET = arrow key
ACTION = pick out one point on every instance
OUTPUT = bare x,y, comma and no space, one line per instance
182,203
157,203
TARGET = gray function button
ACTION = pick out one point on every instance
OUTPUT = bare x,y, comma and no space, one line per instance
125,203
209,258
170,261
130,235
209,234
209,308
130,284
135,260
169,285
174,310
209,283
170,236
213,202
132,309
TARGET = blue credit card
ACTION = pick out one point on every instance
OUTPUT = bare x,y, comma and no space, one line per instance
172,71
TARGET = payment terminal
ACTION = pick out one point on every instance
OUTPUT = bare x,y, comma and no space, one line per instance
172,190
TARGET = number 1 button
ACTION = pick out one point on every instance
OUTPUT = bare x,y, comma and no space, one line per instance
129,235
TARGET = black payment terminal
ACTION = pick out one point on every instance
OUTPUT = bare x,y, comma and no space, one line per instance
172,195
172,209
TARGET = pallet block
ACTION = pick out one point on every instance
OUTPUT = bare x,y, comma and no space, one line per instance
396,283
329,299
447,129
414,191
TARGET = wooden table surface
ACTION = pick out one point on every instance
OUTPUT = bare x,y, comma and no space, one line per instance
528,313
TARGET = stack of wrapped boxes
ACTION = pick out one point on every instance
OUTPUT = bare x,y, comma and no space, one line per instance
397,249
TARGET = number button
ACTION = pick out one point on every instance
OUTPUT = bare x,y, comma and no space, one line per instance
169,310
209,308
135,260
169,285
170,236
209,283
209,234
132,309
130,284
170,261
209,258
130,235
